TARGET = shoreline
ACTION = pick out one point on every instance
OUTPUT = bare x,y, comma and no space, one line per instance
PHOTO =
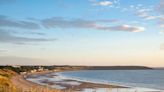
79,87
116,85
75,85
23,84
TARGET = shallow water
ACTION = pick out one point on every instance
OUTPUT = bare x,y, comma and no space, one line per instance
121,90
135,78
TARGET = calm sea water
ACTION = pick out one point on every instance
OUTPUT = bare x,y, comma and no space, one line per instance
133,78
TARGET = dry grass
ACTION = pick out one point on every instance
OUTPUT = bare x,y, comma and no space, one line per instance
6,84
7,73
14,89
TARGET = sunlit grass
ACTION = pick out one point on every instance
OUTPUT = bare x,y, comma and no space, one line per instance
6,84
14,89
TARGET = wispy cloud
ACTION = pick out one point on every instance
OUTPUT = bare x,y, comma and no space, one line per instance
160,7
28,32
144,13
66,23
108,20
103,3
152,13
7,37
60,22
127,28
80,23
7,22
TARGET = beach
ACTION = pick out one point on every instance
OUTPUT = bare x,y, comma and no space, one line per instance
24,82
50,81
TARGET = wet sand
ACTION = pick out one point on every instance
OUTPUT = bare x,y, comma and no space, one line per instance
22,84
54,81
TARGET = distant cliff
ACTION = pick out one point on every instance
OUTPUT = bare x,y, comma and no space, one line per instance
102,67
119,68
19,69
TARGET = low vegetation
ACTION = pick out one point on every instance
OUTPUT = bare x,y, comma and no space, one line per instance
7,72
5,82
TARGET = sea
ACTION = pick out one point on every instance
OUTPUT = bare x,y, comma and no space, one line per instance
135,80
130,78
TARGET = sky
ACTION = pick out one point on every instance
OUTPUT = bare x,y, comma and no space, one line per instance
82,32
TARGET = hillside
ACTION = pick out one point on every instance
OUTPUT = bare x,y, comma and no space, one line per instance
118,68
5,83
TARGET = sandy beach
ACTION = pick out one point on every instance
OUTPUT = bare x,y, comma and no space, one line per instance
23,84
51,82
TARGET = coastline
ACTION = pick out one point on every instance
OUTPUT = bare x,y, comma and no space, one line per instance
24,85
116,86
22,81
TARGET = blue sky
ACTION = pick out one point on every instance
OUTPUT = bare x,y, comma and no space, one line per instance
82,32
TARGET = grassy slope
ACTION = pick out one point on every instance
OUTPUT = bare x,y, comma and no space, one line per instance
5,83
